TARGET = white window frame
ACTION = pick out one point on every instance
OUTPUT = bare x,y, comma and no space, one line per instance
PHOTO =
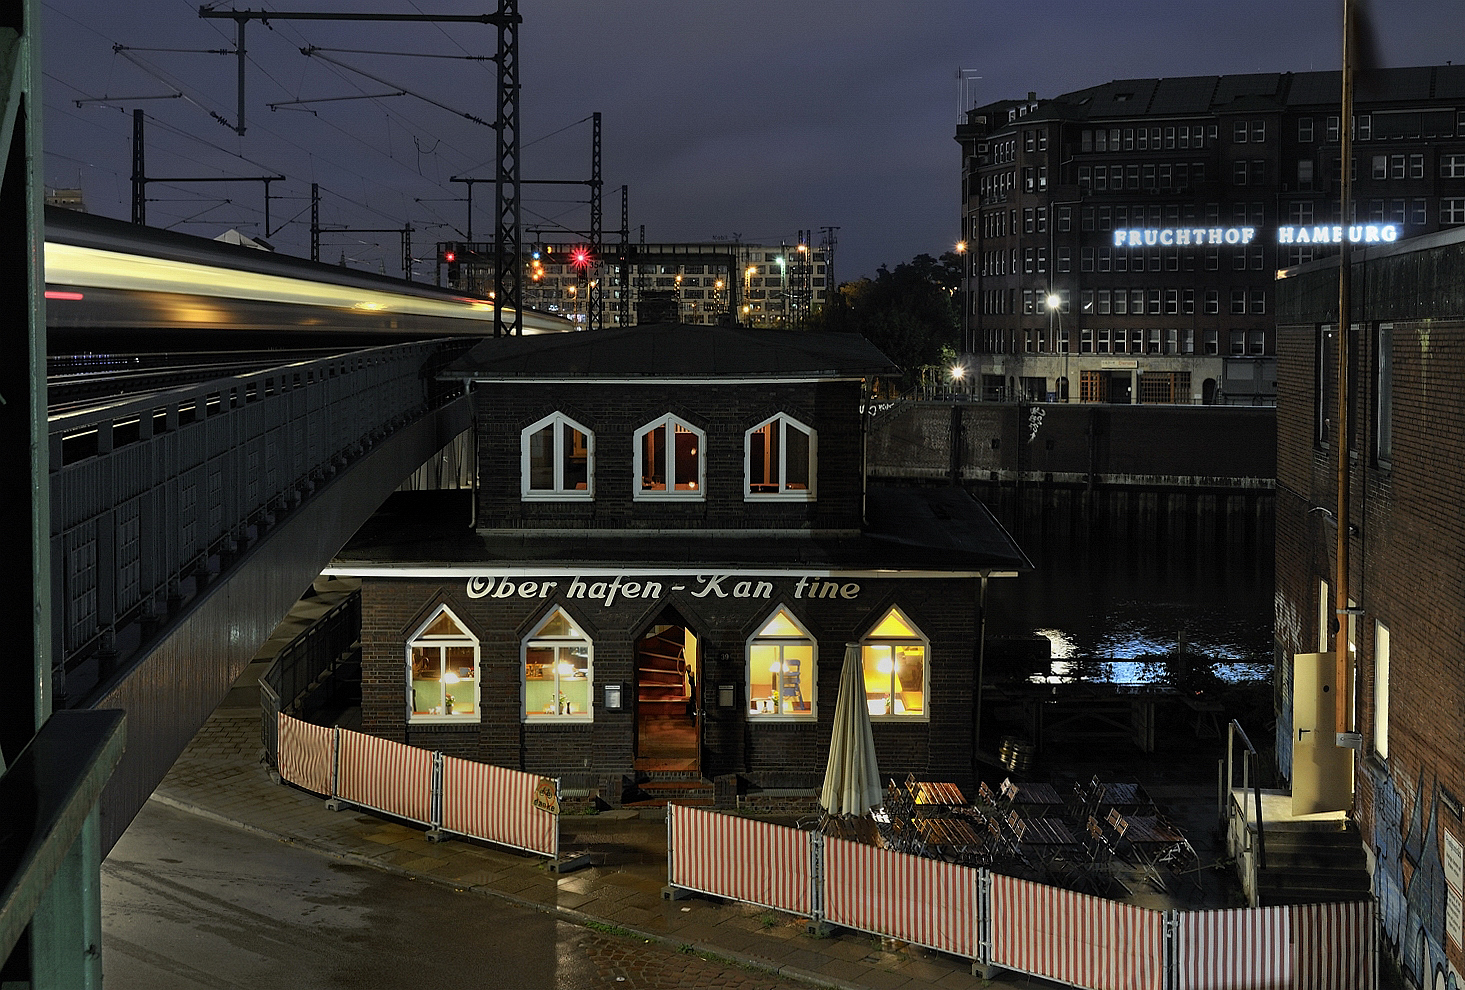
784,420
670,422
558,493
1381,658
534,639
443,642
812,677
925,714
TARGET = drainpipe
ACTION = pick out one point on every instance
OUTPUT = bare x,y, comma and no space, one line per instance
981,671
865,413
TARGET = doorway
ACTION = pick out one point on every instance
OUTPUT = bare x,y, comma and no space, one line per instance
668,715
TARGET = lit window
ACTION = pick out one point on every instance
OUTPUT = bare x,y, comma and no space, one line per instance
894,660
782,669
442,666
669,460
557,459
1381,690
558,673
779,459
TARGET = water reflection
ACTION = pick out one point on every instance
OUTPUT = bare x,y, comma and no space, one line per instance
1118,611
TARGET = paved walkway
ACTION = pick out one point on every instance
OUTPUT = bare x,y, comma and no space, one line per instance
221,776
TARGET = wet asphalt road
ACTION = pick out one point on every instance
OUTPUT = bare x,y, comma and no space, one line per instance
188,903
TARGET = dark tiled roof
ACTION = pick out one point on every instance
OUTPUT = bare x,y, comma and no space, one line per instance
929,529
673,350
1186,95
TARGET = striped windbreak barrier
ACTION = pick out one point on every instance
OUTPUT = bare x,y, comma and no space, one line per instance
1334,945
386,776
495,804
1240,949
1301,947
741,859
1016,924
1075,938
907,897
307,754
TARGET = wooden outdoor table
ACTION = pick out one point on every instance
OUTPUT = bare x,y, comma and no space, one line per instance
935,792
1044,794
1047,832
953,832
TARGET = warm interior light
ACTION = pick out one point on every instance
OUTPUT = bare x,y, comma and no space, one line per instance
884,665
566,669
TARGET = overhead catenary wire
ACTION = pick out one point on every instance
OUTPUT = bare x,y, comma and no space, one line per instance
315,53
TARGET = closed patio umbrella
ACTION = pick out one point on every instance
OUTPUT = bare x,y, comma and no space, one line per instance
852,780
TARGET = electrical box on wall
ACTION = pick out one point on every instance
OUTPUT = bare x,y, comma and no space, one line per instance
612,696
725,694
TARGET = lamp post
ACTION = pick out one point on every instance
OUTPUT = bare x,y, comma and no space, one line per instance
967,345
1054,300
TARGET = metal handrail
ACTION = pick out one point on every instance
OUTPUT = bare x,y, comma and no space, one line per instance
317,649
1233,730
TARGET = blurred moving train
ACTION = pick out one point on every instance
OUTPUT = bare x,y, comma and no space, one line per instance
117,286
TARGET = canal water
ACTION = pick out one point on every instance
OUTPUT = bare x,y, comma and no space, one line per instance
1117,611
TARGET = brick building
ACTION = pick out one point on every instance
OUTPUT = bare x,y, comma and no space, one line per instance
672,543
1406,438
1155,213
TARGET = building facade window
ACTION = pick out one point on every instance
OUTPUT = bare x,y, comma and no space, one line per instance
557,459
1304,129
782,670
893,656
442,671
558,671
779,458
1381,690
1452,211
669,461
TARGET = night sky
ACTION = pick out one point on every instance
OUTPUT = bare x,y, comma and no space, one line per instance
751,119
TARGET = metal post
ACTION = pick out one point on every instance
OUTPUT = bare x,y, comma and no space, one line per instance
139,183
625,269
596,303
315,221
239,44
407,252
508,232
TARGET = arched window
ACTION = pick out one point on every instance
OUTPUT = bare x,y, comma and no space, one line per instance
558,671
442,671
778,460
670,462
782,669
557,459
894,657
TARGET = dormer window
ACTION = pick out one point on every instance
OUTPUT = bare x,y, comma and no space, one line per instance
558,671
782,669
557,459
442,670
670,460
779,460
894,660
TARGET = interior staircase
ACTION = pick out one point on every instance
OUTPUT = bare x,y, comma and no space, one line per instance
1309,864
666,769
661,682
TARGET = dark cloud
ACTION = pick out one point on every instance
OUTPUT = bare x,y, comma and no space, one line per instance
757,117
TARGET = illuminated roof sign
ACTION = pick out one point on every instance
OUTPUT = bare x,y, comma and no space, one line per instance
1370,233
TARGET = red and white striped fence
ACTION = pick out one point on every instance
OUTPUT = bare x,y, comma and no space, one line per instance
1075,938
306,754
385,776
1016,924
458,796
495,804
911,898
741,859
1301,947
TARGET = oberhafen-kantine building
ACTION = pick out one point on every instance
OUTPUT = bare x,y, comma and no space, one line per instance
671,544
1155,214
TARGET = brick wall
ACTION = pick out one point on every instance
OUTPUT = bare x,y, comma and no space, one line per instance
1407,564
614,413
944,610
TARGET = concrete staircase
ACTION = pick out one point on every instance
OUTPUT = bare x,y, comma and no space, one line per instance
1308,864
657,788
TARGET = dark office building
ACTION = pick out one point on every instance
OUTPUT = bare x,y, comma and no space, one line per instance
1154,214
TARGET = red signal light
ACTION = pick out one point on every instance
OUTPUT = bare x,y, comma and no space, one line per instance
450,256
580,258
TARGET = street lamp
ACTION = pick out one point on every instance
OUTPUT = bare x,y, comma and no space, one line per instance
1054,301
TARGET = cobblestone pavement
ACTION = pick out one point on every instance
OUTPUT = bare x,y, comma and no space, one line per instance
618,897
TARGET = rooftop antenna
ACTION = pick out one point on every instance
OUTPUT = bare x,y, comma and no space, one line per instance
966,91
